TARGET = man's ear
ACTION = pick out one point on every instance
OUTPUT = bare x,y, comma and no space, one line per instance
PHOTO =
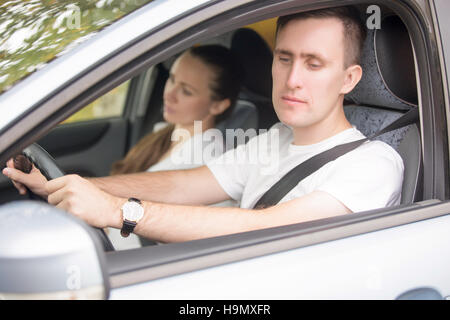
219,107
352,76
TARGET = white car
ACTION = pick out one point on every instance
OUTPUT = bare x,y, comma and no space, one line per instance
396,252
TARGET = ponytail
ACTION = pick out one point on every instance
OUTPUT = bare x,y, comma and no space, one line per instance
147,152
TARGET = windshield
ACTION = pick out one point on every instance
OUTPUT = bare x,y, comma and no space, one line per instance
33,32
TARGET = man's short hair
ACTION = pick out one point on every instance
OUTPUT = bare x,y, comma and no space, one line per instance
354,31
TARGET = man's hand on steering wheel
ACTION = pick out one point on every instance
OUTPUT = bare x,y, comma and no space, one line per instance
35,181
71,193
83,199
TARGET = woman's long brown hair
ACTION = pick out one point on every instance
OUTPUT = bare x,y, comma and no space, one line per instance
145,153
229,75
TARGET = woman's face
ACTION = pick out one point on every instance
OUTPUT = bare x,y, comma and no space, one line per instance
187,96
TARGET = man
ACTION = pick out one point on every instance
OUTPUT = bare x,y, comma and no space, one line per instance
316,62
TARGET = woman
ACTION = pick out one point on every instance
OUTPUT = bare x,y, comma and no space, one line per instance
203,85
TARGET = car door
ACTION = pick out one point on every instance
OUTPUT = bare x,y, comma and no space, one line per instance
369,255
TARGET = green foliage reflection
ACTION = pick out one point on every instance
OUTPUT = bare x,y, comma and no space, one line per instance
33,32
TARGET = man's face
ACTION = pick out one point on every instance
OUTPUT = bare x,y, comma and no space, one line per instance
308,71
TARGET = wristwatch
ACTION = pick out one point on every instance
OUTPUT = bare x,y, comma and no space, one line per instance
132,212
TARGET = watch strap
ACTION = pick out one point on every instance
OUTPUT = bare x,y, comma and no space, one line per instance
135,200
127,228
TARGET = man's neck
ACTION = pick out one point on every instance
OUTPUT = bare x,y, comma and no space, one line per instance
317,132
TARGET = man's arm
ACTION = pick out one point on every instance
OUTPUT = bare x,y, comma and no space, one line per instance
191,187
171,223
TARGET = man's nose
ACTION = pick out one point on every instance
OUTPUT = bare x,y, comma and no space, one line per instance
295,78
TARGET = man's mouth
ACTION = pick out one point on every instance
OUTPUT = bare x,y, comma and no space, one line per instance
293,101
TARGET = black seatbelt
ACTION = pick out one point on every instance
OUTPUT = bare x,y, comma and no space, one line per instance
304,169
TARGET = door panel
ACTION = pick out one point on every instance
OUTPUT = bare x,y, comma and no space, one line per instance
374,265
87,148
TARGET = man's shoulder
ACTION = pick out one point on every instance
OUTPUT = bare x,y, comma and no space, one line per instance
375,146
377,152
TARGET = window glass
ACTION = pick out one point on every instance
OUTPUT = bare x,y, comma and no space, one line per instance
112,104
34,32
109,105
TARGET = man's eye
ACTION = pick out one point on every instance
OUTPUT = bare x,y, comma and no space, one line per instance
314,66
187,92
284,59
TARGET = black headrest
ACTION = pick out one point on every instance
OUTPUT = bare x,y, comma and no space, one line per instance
388,68
256,57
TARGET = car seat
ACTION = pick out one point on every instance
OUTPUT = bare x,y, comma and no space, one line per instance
253,108
256,57
388,89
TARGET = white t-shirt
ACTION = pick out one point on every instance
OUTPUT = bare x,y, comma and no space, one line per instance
185,155
191,154
366,178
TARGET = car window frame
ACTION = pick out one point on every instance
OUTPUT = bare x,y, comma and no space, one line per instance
430,89
443,44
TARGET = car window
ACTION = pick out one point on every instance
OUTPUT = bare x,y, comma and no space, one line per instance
112,104
35,32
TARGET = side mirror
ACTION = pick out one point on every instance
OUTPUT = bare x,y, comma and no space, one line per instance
45,253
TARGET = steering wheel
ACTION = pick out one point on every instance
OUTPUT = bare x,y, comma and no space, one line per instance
48,167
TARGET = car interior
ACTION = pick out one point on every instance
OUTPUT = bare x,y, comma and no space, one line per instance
387,90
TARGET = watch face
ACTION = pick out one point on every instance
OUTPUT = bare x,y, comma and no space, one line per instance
132,211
